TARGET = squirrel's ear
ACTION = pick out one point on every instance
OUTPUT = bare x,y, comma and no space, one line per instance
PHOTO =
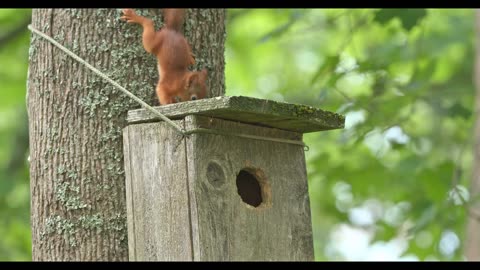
204,72
190,79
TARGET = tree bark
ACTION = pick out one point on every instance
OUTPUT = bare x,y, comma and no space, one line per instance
77,178
472,241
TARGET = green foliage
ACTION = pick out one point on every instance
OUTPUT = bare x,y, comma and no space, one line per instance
403,79
408,17
15,243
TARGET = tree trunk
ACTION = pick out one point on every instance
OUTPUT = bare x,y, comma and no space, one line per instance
472,241
76,118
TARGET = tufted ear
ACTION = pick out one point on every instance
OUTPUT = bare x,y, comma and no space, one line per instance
191,78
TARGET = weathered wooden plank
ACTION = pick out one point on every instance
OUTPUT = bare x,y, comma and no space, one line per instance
224,227
268,113
129,175
157,193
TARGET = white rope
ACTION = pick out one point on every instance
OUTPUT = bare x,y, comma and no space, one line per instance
99,73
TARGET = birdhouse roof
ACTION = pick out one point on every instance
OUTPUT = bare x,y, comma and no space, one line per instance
261,112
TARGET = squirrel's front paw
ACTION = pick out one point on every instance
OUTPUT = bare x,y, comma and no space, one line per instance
129,15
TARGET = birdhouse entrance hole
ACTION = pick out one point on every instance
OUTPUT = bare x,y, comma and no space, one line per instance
253,188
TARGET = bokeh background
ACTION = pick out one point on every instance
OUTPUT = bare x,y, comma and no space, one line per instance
393,185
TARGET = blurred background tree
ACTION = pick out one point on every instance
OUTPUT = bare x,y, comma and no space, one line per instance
15,240
393,185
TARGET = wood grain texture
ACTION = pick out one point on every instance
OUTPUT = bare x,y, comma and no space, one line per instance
227,229
185,198
157,194
261,112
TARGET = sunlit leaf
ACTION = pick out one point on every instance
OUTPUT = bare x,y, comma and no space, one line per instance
408,17
326,68
280,30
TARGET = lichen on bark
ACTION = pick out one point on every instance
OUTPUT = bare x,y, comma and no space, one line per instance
76,119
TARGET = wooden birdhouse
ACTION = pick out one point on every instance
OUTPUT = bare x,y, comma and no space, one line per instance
235,189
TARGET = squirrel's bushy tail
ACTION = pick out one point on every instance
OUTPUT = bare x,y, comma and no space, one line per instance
174,18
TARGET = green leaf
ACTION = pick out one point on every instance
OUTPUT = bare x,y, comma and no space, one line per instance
280,30
436,182
385,232
326,68
408,17
457,109
426,218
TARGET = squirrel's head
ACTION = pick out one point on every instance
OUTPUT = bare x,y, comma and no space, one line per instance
195,85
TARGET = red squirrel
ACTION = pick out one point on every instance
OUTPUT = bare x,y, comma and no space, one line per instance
174,57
